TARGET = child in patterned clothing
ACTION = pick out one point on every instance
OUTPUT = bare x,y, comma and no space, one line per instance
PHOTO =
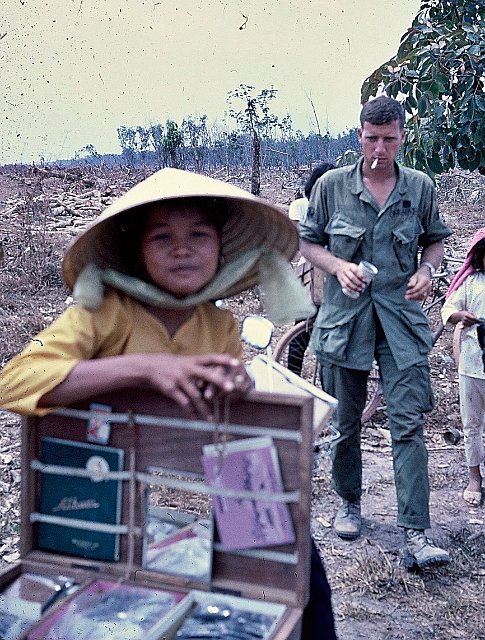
465,305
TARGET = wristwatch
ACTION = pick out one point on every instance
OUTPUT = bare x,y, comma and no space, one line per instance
432,269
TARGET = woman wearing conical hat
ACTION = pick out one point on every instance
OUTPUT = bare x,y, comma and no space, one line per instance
145,274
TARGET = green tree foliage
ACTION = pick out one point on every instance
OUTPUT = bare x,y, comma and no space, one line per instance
172,140
143,142
252,114
138,143
438,73
156,134
192,145
348,157
89,154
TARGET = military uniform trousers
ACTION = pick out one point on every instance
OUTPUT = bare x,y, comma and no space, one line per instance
408,395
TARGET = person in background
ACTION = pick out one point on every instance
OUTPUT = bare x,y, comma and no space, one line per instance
380,212
144,275
465,306
296,213
298,207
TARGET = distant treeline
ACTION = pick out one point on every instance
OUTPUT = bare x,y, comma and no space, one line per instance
192,145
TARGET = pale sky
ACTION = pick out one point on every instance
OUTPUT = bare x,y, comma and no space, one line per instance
72,71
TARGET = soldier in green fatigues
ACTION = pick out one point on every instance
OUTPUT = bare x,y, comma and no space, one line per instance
382,213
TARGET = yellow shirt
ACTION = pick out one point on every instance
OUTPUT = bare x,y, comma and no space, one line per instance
120,326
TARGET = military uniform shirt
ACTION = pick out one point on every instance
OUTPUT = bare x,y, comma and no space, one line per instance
343,216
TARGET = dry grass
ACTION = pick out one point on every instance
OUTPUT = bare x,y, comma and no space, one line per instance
442,603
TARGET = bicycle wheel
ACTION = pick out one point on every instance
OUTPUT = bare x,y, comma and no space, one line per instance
292,352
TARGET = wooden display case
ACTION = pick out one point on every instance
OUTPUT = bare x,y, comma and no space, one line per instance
154,435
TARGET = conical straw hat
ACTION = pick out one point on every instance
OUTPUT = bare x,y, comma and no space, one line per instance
250,222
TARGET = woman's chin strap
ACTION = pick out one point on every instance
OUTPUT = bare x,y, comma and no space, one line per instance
285,298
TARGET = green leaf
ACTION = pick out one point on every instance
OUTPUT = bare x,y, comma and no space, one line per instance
434,163
411,103
480,102
420,156
475,50
447,154
393,89
422,106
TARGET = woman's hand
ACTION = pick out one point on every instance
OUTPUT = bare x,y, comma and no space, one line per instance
194,381
240,378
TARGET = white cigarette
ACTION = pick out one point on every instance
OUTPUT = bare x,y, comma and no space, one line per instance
374,164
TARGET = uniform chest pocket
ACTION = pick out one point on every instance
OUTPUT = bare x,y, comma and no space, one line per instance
344,238
405,238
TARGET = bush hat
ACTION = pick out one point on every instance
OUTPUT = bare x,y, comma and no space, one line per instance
256,239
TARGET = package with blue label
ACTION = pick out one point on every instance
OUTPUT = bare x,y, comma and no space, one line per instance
66,498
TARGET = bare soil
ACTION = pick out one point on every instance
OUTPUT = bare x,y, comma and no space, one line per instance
374,596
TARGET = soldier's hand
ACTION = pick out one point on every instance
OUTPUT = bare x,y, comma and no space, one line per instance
419,285
350,277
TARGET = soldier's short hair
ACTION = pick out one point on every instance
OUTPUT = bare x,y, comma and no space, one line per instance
382,110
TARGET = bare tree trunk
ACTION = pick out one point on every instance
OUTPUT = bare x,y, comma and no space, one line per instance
256,171
173,158
314,113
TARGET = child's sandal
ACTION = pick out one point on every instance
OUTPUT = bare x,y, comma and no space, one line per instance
473,498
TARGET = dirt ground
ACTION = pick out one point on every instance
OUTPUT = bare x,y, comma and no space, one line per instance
374,596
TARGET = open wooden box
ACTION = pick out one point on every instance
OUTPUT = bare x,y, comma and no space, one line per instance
153,434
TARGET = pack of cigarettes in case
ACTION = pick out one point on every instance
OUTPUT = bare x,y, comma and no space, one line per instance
98,428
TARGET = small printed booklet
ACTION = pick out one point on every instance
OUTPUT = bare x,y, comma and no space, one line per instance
92,499
247,465
108,610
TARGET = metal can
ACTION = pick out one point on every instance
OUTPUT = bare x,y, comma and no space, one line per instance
369,272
